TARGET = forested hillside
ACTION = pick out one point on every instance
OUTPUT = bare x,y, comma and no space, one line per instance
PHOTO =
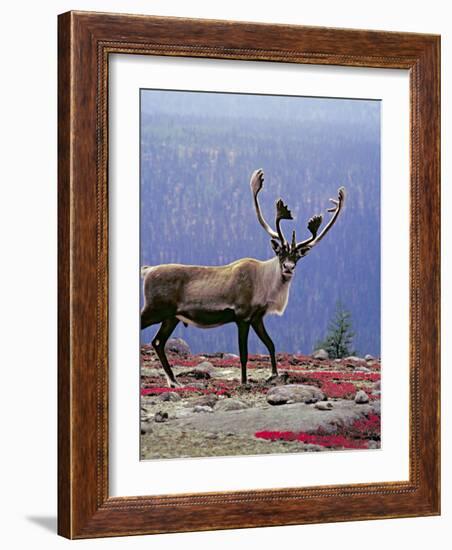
197,154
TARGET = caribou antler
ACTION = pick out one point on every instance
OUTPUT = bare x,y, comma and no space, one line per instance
256,184
282,212
315,222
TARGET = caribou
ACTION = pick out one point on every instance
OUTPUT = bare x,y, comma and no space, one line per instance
242,292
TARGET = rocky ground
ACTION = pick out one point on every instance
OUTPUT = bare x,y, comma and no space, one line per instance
314,405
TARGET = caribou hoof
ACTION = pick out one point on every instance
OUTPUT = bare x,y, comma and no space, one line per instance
174,384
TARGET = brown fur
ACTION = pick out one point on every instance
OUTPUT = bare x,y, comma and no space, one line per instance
211,296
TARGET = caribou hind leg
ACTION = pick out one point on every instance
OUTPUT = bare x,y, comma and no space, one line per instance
164,332
244,329
147,319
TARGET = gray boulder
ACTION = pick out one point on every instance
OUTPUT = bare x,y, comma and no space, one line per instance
294,393
354,358
369,357
323,405
208,400
161,416
205,366
170,396
320,354
199,372
231,404
361,397
178,345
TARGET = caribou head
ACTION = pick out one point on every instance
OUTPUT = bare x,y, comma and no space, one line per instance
289,253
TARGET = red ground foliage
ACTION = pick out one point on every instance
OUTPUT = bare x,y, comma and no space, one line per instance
329,441
328,375
182,390
344,390
335,379
158,390
356,436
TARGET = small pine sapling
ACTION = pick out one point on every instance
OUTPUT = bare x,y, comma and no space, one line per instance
339,339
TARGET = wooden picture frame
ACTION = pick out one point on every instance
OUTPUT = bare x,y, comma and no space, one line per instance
85,42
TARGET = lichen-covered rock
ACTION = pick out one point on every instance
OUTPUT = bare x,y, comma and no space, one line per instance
178,345
361,397
294,393
320,354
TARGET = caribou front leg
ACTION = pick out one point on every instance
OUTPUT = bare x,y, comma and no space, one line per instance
259,329
244,329
165,331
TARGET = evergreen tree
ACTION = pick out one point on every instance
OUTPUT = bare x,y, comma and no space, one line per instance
339,339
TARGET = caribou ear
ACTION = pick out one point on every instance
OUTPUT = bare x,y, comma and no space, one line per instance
276,246
302,251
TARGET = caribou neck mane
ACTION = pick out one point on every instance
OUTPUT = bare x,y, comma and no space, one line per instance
272,289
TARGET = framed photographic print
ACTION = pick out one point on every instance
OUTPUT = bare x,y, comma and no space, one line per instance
248,274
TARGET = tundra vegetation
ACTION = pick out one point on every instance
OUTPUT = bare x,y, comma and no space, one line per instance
314,405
